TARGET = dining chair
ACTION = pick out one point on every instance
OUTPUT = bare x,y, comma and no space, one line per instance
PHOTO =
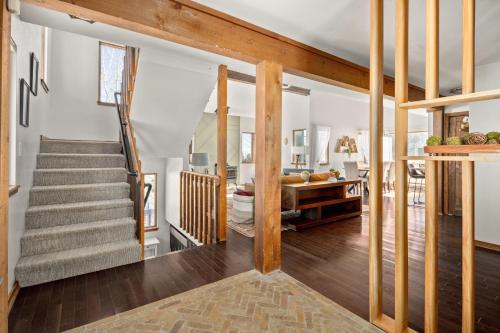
352,173
385,175
391,177
415,174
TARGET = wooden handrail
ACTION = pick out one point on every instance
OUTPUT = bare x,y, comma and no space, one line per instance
135,177
199,202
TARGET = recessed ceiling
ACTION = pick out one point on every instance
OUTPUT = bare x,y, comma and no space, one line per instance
342,27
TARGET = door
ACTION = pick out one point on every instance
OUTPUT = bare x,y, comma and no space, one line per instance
456,124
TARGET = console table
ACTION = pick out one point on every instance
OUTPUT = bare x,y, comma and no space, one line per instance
320,202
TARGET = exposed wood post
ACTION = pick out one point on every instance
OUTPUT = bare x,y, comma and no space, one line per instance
376,134
468,259
4,163
431,247
401,187
431,179
267,244
222,149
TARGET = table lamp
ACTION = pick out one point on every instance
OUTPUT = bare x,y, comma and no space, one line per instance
297,151
199,162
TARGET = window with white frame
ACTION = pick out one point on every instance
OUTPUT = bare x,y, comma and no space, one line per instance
111,62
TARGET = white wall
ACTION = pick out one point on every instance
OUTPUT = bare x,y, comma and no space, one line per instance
28,39
349,114
247,170
173,167
484,117
295,115
168,104
73,77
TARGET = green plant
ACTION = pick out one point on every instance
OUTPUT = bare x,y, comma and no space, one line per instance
335,173
434,140
493,135
454,141
466,138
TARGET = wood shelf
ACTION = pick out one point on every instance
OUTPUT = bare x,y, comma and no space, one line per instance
462,149
452,100
476,158
326,201
301,223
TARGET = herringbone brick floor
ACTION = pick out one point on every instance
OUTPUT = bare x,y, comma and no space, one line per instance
248,302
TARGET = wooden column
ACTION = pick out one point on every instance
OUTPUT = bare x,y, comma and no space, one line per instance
4,162
222,149
401,187
468,254
431,179
267,244
431,247
376,134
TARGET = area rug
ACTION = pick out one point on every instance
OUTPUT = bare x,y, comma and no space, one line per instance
248,302
247,229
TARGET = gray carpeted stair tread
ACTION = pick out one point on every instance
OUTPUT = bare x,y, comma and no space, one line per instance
58,161
55,194
47,177
80,217
52,266
77,212
79,146
59,238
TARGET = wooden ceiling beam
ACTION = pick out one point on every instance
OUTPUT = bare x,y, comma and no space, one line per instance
192,24
250,79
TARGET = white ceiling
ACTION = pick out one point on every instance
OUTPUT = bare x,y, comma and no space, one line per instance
341,27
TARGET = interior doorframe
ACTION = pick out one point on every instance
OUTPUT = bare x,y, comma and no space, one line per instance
446,128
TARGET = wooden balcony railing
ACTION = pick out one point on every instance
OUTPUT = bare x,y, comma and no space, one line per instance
124,103
199,206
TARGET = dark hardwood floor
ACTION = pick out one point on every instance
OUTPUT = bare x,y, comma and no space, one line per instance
333,259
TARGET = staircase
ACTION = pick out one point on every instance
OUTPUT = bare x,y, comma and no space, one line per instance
80,216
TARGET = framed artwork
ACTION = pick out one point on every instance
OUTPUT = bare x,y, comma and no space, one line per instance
24,104
34,64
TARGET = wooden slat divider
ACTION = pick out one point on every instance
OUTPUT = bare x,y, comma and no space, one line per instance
431,247
205,210
200,210
199,205
468,251
431,180
210,211
376,132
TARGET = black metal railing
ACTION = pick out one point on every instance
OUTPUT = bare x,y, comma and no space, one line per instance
149,187
125,139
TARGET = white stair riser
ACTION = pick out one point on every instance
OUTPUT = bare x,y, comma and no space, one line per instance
50,197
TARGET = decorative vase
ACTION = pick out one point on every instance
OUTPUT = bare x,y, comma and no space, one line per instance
305,175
